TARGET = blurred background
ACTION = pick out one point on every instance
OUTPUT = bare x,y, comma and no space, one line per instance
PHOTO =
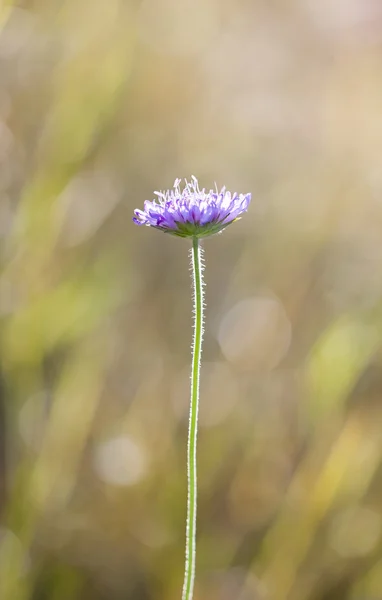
102,102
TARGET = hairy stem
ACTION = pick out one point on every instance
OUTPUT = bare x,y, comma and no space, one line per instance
197,280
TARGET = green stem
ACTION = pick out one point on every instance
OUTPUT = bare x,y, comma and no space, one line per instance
197,279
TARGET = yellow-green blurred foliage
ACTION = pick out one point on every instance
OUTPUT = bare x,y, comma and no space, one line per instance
102,102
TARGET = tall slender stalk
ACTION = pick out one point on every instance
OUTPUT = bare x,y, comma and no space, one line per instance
197,280
193,213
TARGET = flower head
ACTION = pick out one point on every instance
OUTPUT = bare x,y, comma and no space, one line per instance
192,212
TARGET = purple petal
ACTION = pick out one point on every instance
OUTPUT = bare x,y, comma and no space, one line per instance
193,206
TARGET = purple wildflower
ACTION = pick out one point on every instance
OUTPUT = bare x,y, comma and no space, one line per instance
192,212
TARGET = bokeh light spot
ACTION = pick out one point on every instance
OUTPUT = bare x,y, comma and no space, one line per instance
355,532
120,461
255,334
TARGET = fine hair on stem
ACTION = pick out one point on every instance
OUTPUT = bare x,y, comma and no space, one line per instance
198,299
